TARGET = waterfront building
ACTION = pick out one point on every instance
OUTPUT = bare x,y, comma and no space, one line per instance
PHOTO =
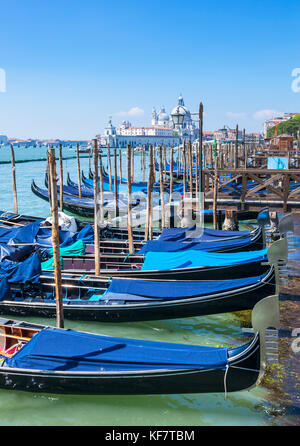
269,123
282,142
227,134
161,131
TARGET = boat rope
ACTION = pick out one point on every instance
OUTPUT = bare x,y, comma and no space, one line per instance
249,370
225,384
81,279
127,256
240,368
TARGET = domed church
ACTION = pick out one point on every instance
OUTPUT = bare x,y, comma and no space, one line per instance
162,131
187,130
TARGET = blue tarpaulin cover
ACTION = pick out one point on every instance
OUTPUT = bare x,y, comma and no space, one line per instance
25,234
42,237
195,233
192,259
14,254
12,272
4,288
215,245
136,186
135,289
55,349
28,270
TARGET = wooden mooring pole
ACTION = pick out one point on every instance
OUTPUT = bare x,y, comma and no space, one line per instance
132,164
101,190
149,194
171,206
61,178
236,148
143,163
161,187
215,202
78,170
14,184
109,167
200,148
116,183
120,164
55,239
191,167
129,178
96,208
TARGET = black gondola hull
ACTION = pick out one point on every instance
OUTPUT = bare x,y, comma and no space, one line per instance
241,373
238,300
198,273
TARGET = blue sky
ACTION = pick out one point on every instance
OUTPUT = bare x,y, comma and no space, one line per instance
72,64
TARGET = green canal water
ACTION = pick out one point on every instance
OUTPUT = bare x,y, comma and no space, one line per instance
247,408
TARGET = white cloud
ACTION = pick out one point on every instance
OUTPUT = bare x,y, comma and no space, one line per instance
266,114
133,112
236,115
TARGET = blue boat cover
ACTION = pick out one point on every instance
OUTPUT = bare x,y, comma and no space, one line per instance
136,186
4,289
195,233
139,290
27,271
214,245
192,259
42,237
25,234
56,349
14,254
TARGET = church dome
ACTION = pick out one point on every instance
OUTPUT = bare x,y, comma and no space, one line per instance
162,115
180,107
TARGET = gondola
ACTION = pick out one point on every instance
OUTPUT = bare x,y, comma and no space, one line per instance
188,265
207,213
10,219
117,251
253,241
42,359
82,206
124,300
73,190
185,267
182,266
138,186
115,255
209,240
128,300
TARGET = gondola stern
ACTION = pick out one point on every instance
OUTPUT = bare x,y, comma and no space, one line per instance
265,315
286,224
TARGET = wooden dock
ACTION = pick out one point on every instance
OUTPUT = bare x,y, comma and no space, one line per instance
272,188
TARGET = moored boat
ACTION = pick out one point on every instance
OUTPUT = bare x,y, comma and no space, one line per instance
42,359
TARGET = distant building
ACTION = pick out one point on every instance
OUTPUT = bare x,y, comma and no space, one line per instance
226,134
161,132
277,120
229,135
208,136
282,142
